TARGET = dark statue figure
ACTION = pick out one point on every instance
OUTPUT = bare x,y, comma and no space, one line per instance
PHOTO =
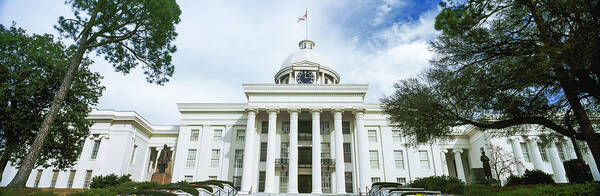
486,167
164,159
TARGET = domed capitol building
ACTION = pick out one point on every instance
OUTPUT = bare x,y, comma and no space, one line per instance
307,132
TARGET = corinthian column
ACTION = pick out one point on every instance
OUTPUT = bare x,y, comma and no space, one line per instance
518,153
339,153
557,164
248,151
535,153
270,169
293,163
316,151
459,166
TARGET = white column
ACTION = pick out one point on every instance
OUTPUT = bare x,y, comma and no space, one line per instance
363,152
248,152
444,161
459,166
518,153
293,163
534,150
339,153
316,151
270,169
557,165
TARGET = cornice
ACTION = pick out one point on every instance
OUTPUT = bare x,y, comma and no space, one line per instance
211,107
305,89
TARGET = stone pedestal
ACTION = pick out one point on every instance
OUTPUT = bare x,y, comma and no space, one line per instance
161,178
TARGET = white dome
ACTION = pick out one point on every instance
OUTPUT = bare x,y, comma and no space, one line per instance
306,53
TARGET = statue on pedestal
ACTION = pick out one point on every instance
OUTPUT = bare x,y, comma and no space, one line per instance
163,159
486,166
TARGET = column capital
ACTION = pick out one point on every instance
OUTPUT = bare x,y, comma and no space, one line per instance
315,109
515,138
444,150
251,109
532,139
359,109
293,109
272,109
457,150
337,109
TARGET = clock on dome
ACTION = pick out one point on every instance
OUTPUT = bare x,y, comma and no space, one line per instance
305,77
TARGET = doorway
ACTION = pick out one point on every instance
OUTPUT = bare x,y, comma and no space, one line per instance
304,183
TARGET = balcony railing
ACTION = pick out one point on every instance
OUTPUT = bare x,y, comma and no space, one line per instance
304,137
282,161
327,162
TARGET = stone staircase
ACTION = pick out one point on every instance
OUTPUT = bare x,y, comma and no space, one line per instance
294,194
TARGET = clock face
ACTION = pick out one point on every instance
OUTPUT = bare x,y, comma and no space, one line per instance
305,77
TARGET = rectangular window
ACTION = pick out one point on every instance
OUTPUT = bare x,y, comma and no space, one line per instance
241,135
71,178
132,162
399,159
212,177
561,152
325,150
88,179
218,135
324,127
95,149
283,182
285,127
194,135
374,157
525,151
189,178
37,178
396,136
347,153
424,159
191,158
372,136
261,181
263,151
237,181
285,149
326,182
54,177
401,180
544,153
348,177
375,179
239,158
214,158
345,127
264,128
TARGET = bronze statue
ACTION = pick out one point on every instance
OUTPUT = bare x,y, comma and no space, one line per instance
486,166
164,159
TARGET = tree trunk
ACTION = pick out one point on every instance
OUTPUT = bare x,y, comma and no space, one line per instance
584,123
30,160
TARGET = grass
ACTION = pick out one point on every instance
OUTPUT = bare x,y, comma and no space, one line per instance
36,191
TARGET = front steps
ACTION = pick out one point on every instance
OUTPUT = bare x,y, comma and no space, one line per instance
295,194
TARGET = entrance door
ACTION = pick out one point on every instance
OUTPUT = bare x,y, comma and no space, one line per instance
304,156
304,183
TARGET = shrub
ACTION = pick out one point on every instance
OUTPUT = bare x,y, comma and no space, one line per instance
584,189
109,180
513,180
44,193
537,177
446,184
530,177
478,189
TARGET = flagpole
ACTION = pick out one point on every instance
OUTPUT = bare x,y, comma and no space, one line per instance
306,13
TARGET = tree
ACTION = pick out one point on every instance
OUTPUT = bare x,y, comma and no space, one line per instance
125,33
30,67
501,162
502,65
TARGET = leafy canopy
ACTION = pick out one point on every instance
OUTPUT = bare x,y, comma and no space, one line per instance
496,68
127,32
31,68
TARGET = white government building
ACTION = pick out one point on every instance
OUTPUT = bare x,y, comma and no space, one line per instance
305,133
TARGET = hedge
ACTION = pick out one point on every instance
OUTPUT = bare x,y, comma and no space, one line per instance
589,188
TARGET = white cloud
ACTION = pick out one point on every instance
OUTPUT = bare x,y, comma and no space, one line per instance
222,45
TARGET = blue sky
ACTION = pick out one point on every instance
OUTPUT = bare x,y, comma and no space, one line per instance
222,44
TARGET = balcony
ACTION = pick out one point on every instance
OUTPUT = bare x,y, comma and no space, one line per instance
304,137
282,161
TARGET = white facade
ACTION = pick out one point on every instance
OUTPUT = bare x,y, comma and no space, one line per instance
270,143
